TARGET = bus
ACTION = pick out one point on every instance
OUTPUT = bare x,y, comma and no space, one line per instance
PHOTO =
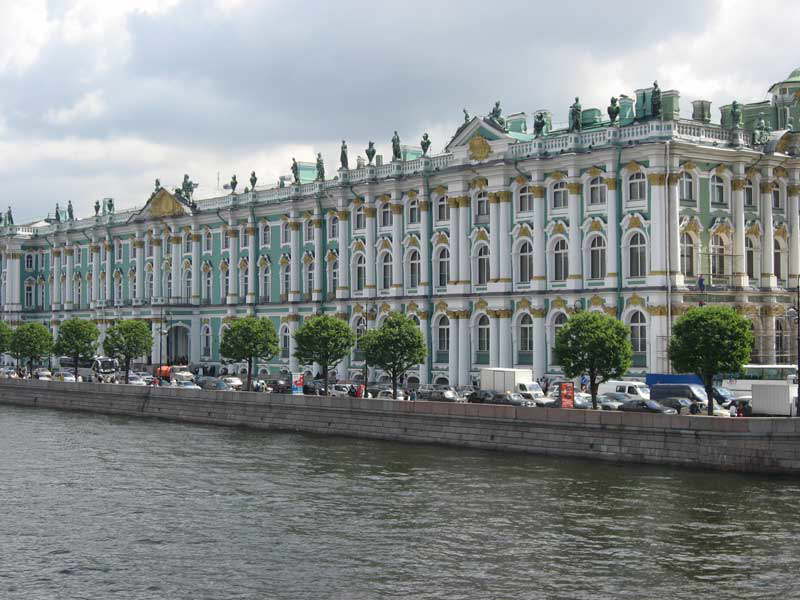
741,383
99,369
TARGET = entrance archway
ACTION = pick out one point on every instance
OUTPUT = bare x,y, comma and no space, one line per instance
178,348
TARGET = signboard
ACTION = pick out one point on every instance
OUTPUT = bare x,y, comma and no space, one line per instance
567,389
297,383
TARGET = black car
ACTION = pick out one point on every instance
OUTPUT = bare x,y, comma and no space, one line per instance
648,406
681,405
214,384
481,396
279,386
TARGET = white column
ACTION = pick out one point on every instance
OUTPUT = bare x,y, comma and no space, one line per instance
424,325
494,237
793,206
768,240
319,260
504,233
539,255
140,274
343,291
109,270
294,366
194,342
57,300
158,259
95,250
673,230
155,327
494,339
464,353
575,253
464,277
70,252
612,268
452,354
740,278
539,343
297,262
658,225
506,360
197,237
233,267
456,243
176,247
13,280
425,247
370,212
397,245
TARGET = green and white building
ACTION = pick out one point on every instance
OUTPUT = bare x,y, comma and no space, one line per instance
490,245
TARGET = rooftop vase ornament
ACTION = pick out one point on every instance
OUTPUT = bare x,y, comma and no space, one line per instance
97,206
613,110
370,152
736,115
343,155
320,167
295,172
253,180
70,214
496,118
233,184
538,124
575,115
396,147
281,182
655,100
425,143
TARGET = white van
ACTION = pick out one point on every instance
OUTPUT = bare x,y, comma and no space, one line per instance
634,389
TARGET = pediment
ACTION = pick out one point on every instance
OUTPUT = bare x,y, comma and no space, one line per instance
164,204
477,127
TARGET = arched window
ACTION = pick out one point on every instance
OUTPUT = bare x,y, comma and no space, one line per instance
207,283
243,238
359,218
77,290
750,257
687,255
560,260
265,284
309,230
597,191
413,269
208,240
597,257
483,334
443,267
525,271
244,280
482,265
361,273
226,238
443,335
525,334
560,195
286,279
717,188
206,337
226,286
638,336
686,188
148,285
776,197
187,243
717,255
442,210
482,203
777,260
167,285
334,277
29,293
637,188
285,235
309,278
637,256
187,284
749,199
117,288
386,271
386,214
285,335
525,199
413,212
558,322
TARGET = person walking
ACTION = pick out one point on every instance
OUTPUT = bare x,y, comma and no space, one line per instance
734,410
694,409
413,396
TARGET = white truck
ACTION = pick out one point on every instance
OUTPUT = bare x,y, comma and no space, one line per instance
511,380
774,398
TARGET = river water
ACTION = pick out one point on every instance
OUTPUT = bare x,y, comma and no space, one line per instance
102,507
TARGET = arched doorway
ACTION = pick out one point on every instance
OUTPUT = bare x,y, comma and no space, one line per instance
178,350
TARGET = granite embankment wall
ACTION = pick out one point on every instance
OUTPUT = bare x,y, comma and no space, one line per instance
754,444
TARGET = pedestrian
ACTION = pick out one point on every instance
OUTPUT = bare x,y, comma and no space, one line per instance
740,408
413,396
734,409
694,408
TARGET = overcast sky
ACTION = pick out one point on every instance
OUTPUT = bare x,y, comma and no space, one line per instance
100,97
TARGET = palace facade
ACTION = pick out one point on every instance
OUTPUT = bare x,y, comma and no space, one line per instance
490,245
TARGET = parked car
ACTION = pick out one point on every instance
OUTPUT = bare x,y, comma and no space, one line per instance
480,396
64,376
690,391
279,386
133,379
387,395
146,377
338,389
634,389
187,385
681,405
612,400
440,395
233,381
648,406
723,396
582,400
511,399
215,384
43,374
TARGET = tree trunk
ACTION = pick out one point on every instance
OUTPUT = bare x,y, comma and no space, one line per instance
394,385
76,368
593,385
249,372
127,368
709,381
325,378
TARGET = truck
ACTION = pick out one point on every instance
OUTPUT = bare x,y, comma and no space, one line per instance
774,398
511,380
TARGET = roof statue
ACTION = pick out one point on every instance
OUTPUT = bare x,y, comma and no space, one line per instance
575,115
496,118
466,116
97,206
761,132
736,115
370,152
58,214
295,172
613,110
70,214
396,147
539,123
343,155
655,100
425,143
320,167
281,182
233,183
253,180
187,187
9,217
110,203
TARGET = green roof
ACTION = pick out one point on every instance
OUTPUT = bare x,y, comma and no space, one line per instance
794,75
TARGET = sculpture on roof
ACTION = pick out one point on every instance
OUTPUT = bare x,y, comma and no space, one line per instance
343,155
496,118
613,110
320,167
157,186
253,180
233,184
70,214
370,152
9,217
97,206
110,204
396,147
736,115
575,115
466,116
187,187
281,182
761,132
425,143
295,172
539,124
58,214
655,100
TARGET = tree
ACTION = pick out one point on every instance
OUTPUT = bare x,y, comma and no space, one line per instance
324,340
395,346
126,340
30,343
5,336
249,338
710,340
77,338
595,344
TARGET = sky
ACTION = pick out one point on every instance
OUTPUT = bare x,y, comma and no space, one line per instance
98,98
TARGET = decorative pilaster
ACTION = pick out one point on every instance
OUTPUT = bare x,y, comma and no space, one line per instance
740,279
56,277
176,247
425,248
464,278
494,239
109,273
504,319
69,251
539,343
504,207
294,321
494,338
138,243
197,277
456,243
233,265
464,353
539,256
612,227
452,354
397,245
252,260
768,279
424,325
343,291
575,276
658,225
793,207
319,260
158,260
370,213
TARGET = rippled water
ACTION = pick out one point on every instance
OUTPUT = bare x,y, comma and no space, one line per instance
109,507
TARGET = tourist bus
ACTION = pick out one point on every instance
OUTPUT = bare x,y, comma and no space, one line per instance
741,383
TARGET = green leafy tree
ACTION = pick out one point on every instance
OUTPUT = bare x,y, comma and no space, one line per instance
5,336
708,341
77,338
595,344
250,339
126,340
30,343
324,340
395,346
